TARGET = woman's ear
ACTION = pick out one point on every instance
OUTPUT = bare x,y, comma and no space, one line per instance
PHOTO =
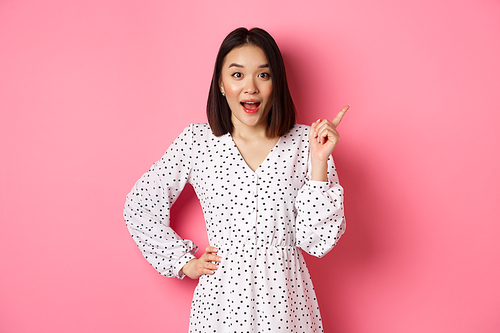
221,88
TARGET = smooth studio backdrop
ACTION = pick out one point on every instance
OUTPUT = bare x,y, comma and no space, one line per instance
93,92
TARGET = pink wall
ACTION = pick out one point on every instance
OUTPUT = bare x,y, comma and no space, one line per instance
93,92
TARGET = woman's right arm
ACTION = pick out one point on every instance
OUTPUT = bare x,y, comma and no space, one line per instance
147,209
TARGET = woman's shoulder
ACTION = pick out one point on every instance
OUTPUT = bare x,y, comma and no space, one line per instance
196,129
199,133
298,130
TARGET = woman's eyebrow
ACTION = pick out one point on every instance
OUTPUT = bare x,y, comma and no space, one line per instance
241,66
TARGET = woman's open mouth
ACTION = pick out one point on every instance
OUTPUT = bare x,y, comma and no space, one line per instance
250,106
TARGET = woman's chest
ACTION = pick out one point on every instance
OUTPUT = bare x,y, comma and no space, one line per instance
220,173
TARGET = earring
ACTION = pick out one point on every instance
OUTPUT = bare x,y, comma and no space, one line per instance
223,94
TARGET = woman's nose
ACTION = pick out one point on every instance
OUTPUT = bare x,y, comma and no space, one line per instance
251,87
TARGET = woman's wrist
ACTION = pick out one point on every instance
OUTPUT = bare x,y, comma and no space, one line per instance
185,268
319,170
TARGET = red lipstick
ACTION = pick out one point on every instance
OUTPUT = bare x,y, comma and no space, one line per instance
250,105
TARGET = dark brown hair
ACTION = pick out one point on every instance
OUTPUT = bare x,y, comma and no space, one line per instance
281,117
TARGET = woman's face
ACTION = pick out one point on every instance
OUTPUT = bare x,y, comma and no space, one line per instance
246,81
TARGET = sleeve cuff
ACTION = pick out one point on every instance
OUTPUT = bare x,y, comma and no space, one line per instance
318,185
180,263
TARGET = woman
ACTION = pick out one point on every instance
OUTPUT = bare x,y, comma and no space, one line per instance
268,188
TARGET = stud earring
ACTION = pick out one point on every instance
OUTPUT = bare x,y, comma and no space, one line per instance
223,94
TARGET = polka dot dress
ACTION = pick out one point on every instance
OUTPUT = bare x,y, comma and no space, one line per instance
259,220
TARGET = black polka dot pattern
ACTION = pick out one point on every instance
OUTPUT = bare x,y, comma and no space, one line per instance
259,220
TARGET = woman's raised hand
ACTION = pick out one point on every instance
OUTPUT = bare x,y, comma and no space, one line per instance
204,265
323,136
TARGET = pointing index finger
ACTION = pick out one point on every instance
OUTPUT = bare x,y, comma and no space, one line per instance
336,121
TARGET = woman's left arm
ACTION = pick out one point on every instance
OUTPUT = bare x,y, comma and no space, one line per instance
320,210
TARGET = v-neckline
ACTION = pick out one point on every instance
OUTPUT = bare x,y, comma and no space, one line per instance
245,162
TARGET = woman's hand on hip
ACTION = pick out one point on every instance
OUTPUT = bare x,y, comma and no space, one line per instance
203,265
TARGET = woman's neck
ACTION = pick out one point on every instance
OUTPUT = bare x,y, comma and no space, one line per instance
249,133
240,130
253,144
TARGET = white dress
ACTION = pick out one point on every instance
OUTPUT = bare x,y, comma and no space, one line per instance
259,221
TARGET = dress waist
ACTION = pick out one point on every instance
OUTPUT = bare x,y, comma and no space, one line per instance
251,245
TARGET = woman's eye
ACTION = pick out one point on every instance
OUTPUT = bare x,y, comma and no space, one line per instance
237,75
264,75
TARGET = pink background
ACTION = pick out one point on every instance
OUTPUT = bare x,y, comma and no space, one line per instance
93,92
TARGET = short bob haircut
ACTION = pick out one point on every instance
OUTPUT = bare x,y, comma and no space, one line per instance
281,117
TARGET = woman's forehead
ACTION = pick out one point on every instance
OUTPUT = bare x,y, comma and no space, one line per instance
246,56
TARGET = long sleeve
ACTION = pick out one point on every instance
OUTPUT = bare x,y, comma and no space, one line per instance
147,209
320,214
